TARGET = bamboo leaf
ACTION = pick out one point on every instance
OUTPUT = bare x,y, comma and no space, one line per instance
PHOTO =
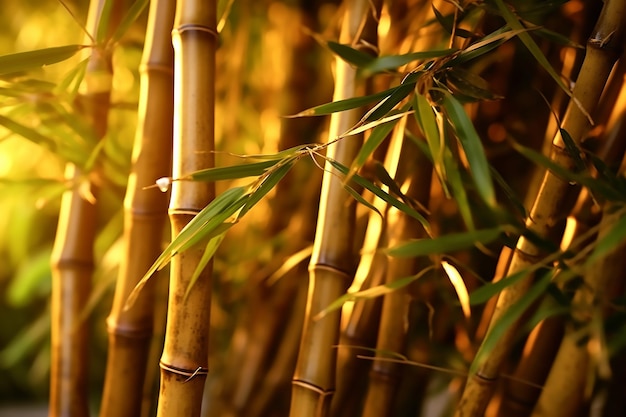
573,150
359,198
373,292
129,18
383,108
28,133
604,188
343,105
610,241
508,319
103,22
25,61
378,135
189,233
209,252
231,172
349,54
360,128
466,133
483,294
459,286
405,208
268,183
427,121
530,44
470,85
385,63
444,244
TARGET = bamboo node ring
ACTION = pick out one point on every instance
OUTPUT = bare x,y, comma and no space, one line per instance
197,28
185,372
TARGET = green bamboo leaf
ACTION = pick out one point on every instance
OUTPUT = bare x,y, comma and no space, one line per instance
610,241
385,63
444,244
383,108
260,190
518,205
359,198
343,105
28,133
71,82
373,292
405,208
597,186
25,61
508,319
427,121
383,176
349,54
129,18
190,233
484,293
484,45
274,156
573,150
209,252
231,172
470,85
378,135
103,22
361,127
530,44
457,187
470,141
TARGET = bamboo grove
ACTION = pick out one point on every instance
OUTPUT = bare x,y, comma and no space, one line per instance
308,208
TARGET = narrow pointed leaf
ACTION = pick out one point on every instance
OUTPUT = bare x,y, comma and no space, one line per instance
267,185
129,18
343,105
378,135
405,208
373,292
530,44
209,252
388,104
444,244
189,232
573,150
232,172
25,61
26,132
472,146
508,319
385,63
610,241
349,54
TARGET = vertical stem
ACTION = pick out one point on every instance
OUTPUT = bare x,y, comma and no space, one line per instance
72,256
332,262
130,331
554,199
184,363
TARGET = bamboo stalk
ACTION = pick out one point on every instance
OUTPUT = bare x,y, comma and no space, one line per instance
554,198
332,260
72,260
130,331
519,398
392,331
567,388
184,363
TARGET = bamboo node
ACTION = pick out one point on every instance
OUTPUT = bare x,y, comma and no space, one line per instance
196,28
200,371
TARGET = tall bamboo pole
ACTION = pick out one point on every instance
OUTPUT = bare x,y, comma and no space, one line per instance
392,332
72,256
554,198
332,262
130,331
184,363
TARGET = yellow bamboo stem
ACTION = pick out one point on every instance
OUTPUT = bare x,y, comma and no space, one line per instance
184,363
332,260
72,256
130,331
553,200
